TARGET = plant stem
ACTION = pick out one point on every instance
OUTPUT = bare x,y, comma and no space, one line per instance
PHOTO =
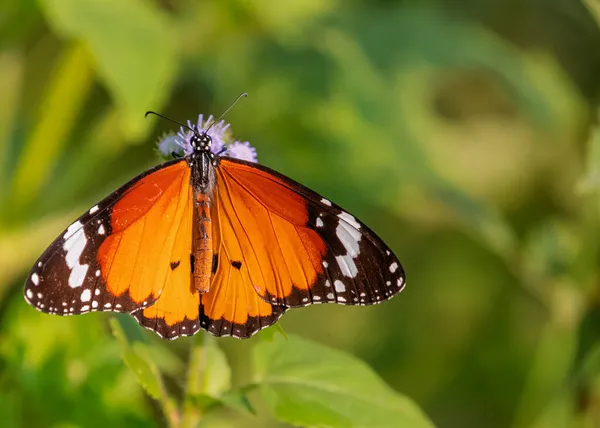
170,410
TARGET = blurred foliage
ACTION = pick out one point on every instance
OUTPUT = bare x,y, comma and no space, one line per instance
463,131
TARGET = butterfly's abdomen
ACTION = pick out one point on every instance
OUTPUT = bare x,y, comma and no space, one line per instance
202,248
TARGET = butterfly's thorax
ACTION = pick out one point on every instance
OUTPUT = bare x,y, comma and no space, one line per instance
203,173
202,181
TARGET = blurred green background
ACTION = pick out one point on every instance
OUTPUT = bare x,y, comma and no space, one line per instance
462,131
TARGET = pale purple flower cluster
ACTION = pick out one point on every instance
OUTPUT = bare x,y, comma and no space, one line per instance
220,133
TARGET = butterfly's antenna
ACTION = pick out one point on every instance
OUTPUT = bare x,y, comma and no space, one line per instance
170,120
243,95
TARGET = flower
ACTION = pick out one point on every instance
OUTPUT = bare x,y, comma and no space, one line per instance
219,134
242,150
170,144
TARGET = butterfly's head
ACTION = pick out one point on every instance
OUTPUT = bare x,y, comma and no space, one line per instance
201,142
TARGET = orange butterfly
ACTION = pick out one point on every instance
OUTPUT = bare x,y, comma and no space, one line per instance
212,242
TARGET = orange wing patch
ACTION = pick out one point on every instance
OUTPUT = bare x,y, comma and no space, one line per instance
177,310
266,232
145,235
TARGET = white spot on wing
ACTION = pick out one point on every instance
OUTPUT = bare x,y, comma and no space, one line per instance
78,275
86,295
74,245
326,202
347,266
35,278
339,286
349,236
393,267
319,222
349,219
101,230
94,209
29,293
75,227
330,296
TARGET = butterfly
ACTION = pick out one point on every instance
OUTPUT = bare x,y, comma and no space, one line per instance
213,242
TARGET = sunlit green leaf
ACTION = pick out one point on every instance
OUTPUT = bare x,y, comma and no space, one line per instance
234,400
145,370
307,384
216,371
67,91
237,400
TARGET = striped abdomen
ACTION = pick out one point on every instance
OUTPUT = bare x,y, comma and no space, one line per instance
202,245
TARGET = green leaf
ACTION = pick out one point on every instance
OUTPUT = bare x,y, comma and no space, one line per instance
217,374
308,384
146,372
271,333
234,400
237,400
208,377
209,374
65,95
132,46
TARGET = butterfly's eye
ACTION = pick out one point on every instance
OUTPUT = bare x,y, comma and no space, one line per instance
201,141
